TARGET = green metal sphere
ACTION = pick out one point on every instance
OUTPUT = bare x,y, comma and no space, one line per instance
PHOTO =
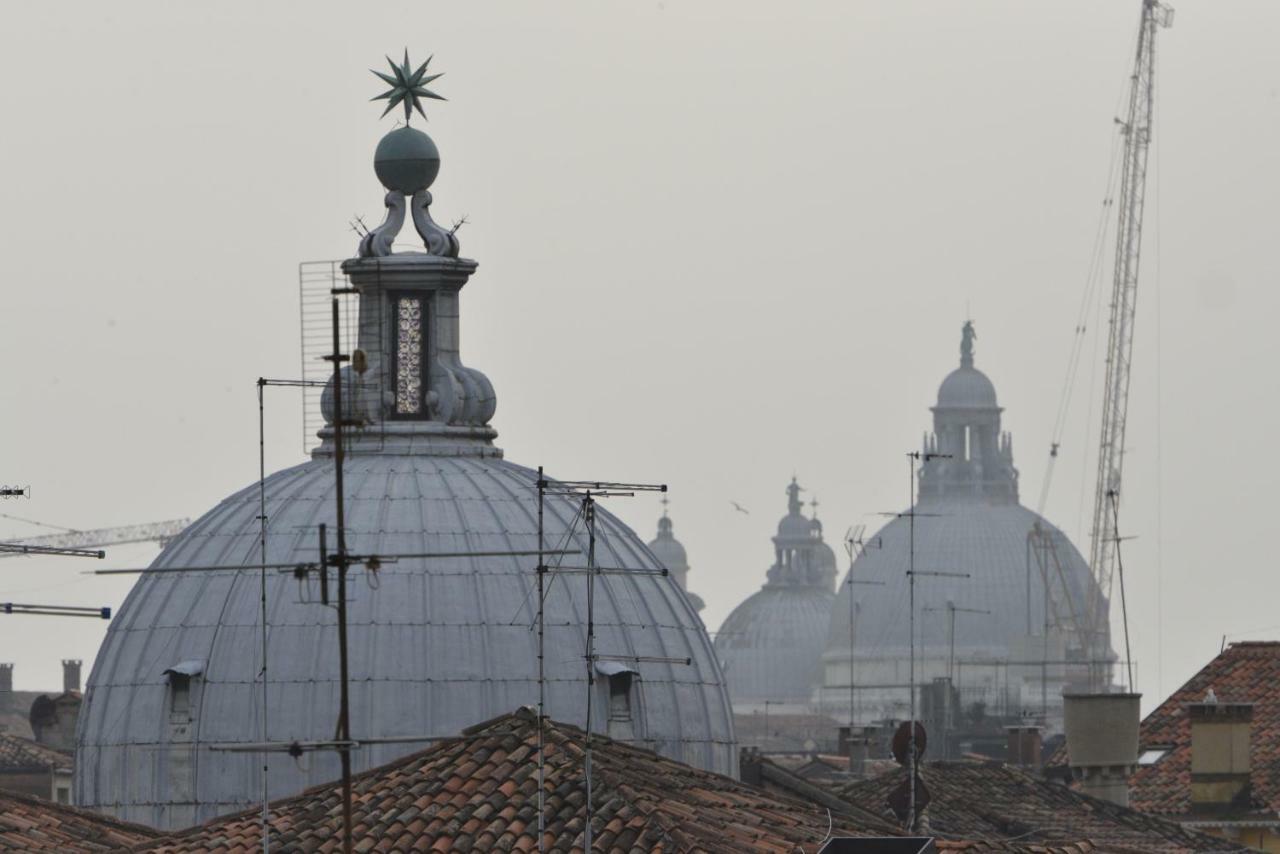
406,160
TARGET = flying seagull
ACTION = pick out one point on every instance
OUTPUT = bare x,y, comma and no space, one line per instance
740,508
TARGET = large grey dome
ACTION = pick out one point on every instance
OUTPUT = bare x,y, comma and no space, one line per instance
435,646
771,645
985,540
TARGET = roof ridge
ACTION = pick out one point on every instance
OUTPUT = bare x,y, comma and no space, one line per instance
436,750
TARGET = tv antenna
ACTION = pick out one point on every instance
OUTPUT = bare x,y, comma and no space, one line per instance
952,609
103,613
855,547
914,457
341,561
586,493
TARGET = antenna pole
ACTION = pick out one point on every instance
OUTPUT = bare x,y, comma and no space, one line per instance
344,716
852,693
542,684
1124,607
951,667
1044,662
589,516
911,627
262,521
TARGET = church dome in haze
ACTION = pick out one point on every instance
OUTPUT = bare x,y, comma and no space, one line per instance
770,645
670,553
435,645
968,522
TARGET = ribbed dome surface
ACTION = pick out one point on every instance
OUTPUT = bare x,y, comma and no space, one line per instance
967,388
435,646
987,540
771,645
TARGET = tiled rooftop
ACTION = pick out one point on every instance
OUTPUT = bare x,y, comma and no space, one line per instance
32,824
1242,673
991,802
21,754
479,793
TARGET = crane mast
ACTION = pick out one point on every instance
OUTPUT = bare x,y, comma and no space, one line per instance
1136,128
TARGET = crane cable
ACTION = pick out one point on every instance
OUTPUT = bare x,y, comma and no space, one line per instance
1087,300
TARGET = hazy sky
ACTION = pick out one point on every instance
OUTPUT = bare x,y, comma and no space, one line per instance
719,243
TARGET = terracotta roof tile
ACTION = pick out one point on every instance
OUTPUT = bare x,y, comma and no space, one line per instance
1242,673
991,803
479,793
33,824
18,754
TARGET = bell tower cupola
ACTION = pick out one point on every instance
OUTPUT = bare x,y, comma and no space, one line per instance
974,457
406,388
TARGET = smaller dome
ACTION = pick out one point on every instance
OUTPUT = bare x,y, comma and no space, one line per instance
967,388
795,528
406,160
771,645
670,553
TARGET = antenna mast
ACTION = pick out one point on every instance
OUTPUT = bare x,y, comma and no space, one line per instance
1136,129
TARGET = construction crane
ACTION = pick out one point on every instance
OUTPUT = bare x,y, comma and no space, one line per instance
1136,129
1086,625
159,532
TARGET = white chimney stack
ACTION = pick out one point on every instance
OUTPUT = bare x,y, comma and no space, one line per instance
1102,742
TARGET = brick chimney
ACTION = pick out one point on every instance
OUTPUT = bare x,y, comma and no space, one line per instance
6,687
1220,742
1102,742
70,674
1024,746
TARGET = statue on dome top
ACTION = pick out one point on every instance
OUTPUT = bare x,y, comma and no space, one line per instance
966,344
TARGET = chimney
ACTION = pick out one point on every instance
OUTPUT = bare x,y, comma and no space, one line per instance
749,766
1025,746
1102,742
70,675
1220,741
6,687
855,743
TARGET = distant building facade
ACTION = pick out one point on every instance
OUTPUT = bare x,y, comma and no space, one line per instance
29,768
